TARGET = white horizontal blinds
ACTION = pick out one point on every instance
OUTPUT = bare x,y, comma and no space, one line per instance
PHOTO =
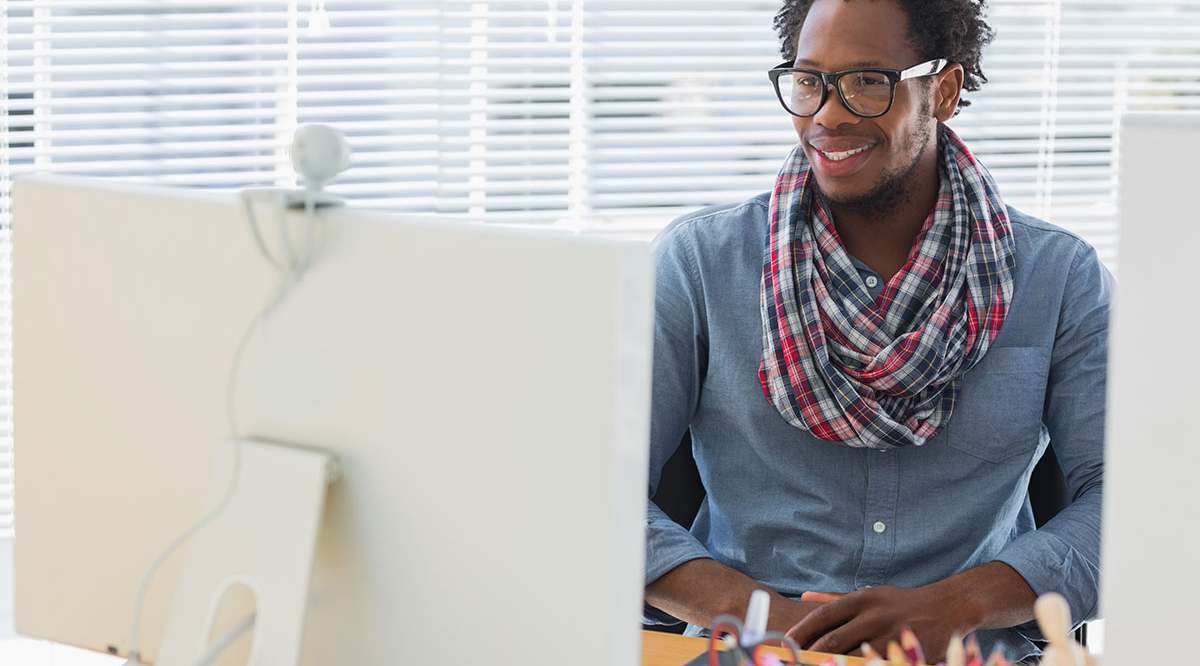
1011,122
1061,73
6,404
531,110
524,119
518,82
377,75
454,106
1142,55
174,93
682,113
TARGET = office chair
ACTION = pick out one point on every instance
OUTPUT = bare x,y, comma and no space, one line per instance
680,493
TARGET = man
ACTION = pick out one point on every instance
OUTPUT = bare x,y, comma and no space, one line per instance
872,358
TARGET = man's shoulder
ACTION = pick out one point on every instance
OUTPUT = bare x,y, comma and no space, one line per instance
1045,237
726,239
711,223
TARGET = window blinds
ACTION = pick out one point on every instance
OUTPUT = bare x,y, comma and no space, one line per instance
612,115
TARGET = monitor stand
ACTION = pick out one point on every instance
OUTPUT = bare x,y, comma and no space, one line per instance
265,539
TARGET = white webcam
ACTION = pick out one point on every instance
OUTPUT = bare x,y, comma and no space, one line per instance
319,153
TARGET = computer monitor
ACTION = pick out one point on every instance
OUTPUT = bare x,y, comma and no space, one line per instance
486,391
1150,589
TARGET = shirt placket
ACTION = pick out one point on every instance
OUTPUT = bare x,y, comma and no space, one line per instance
879,521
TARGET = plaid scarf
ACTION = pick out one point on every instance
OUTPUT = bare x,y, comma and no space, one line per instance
882,373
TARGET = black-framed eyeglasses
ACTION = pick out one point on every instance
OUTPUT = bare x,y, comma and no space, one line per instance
868,92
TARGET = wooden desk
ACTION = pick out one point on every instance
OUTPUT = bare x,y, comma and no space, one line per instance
659,649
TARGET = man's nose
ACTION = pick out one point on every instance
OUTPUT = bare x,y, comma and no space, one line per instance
833,113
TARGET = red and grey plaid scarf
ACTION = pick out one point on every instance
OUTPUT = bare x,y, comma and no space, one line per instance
882,374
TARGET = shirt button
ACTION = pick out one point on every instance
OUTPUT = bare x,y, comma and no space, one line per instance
879,527
872,281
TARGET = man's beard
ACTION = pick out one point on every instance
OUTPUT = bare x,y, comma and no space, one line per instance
894,189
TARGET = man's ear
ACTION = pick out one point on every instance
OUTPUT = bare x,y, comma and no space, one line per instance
947,90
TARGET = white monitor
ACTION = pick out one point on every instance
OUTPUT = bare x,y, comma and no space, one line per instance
1153,455
486,391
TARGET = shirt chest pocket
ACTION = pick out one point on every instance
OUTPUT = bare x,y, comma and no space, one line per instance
998,414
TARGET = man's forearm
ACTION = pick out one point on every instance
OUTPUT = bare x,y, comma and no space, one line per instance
699,590
991,596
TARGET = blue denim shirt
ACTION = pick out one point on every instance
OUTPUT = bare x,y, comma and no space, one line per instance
797,513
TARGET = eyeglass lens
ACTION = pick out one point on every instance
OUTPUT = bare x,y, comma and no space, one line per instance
866,93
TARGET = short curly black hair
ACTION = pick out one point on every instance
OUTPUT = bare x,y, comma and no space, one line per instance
952,29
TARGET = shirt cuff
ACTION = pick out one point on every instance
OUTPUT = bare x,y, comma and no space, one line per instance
651,615
1048,564
1040,558
668,545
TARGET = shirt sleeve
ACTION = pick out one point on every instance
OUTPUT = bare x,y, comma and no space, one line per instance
1064,554
680,353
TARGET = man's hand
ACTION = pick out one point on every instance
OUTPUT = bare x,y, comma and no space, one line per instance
986,597
877,615
787,613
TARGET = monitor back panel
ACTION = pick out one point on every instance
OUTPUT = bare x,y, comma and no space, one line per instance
486,391
1153,442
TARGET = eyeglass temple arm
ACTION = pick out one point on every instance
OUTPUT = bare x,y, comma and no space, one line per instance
924,69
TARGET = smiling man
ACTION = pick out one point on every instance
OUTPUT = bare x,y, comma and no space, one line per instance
871,359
